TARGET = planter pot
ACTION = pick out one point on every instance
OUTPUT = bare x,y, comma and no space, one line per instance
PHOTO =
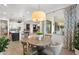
39,37
76,52
56,48
2,53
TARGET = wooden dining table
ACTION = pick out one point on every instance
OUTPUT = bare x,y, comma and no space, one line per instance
34,41
40,44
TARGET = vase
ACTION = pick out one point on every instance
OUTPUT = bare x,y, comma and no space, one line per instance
2,53
39,37
76,51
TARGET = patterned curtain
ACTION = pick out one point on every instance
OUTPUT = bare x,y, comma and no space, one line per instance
70,21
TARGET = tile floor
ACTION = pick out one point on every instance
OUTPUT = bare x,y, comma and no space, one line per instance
15,48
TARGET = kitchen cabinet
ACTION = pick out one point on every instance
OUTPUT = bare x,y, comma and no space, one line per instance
15,36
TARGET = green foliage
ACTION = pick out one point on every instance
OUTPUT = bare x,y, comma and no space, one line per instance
3,43
39,33
76,37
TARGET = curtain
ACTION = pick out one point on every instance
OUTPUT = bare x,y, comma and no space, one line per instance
70,21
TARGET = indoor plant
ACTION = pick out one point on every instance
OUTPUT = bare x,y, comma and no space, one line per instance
39,35
76,39
3,44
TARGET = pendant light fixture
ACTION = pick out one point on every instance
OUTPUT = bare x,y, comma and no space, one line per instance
38,16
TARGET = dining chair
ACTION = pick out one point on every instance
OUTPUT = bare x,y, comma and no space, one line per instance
24,47
54,48
27,48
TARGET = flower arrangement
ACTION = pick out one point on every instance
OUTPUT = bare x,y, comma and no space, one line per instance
39,35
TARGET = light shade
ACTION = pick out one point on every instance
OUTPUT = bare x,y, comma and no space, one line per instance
38,16
61,24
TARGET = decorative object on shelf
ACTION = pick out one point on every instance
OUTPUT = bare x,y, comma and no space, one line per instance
3,44
19,20
76,40
39,35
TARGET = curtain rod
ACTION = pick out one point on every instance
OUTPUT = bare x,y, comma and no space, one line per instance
59,9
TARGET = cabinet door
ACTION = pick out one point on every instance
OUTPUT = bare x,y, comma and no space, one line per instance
15,36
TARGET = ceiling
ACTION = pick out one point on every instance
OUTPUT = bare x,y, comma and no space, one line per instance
15,11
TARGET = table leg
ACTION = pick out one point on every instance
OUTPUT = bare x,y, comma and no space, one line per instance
27,47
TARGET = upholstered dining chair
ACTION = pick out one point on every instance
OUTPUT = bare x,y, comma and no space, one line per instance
54,48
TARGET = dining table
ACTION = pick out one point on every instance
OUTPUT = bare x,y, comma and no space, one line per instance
33,40
40,44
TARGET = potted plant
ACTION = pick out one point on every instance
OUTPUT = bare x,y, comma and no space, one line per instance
3,44
76,40
39,35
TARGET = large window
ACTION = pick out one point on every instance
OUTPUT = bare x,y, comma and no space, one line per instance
48,26
3,27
